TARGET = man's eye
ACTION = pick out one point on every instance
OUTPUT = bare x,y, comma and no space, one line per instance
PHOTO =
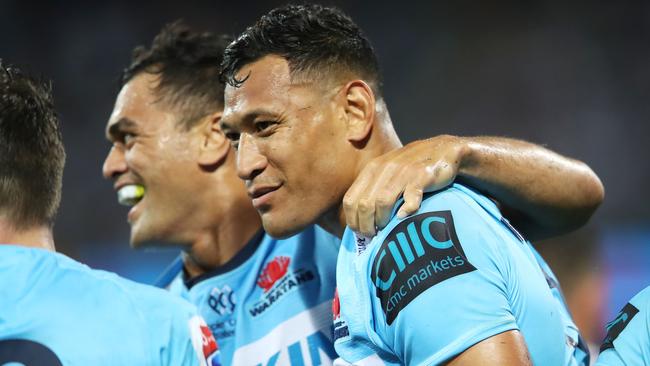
128,138
264,125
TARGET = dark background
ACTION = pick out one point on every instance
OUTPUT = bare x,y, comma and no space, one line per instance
572,75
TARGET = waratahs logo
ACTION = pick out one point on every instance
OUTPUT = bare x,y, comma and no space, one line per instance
277,279
273,271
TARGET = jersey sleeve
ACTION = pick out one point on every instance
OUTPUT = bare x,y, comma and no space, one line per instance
439,283
628,335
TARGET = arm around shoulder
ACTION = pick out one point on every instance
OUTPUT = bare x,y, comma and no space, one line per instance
543,193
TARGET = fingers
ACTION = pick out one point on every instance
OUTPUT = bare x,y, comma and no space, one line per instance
369,201
412,200
354,194
377,200
385,202
423,166
366,217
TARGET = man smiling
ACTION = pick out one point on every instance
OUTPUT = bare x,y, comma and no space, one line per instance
455,282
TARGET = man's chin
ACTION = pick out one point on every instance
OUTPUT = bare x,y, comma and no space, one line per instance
140,243
280,230
141,239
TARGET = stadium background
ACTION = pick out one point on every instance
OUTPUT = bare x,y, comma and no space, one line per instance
572,75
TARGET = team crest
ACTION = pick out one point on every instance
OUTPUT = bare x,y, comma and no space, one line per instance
273,271
277,279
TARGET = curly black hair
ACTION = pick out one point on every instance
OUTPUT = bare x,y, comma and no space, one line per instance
188,64
316,40
31,150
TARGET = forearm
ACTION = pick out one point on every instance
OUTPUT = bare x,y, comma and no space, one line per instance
543,193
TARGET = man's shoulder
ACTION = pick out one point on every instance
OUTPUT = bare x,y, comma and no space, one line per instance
454,206
642,299
627,334
461,200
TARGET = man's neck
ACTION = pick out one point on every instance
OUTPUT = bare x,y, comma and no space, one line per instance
233,226
216,248
39,236
383,140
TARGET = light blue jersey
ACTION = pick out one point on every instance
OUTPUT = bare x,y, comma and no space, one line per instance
432,285
56,311
271,304
628,336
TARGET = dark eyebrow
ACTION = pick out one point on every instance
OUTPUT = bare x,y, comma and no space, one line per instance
249,116
116,129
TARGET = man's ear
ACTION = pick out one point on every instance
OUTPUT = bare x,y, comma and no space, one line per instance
359,110
214,144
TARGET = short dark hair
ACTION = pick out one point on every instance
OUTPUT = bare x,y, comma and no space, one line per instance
31,150
312,38
188,64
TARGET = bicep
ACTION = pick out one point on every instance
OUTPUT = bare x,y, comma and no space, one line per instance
507,348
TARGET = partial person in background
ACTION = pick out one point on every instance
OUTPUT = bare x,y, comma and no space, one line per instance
455,282
54,310
628,336
267,300
575,260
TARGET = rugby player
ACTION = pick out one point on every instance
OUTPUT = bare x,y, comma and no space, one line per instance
54,310
165,138
453,282
628,335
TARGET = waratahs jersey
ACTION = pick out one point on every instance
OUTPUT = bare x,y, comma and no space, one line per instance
271,304
431,285
628,336
56,311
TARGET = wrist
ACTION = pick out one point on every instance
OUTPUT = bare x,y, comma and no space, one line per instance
468,152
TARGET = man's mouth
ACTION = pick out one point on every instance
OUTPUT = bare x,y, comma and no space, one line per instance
130,194
260,195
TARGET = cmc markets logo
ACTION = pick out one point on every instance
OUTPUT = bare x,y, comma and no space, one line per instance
420,252
276,280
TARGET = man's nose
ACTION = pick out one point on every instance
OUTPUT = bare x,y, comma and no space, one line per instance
250,162
115,163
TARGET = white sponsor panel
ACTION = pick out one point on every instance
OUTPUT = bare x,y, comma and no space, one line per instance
288,333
